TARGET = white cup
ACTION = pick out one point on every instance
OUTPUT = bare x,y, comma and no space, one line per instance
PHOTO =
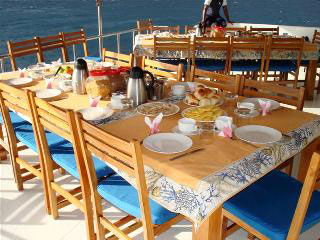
222,121
246,105
187,125
116,101
178,90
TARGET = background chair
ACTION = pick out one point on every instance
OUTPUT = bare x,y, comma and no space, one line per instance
172,29
284,66
289,208
272,31
236,29
118,59
58,150
220,81
144,26
51,43
210,44
160,69
21,49
127,157
257,45
316,40
187,29
19,129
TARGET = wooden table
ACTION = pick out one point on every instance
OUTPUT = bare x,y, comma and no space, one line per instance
193,170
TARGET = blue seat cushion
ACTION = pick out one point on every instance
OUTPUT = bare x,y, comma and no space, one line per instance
268,205
210,64
122,195
15,119
61,150
282,65
246,65
97,59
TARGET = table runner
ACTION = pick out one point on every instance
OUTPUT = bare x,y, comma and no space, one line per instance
199,201
144,47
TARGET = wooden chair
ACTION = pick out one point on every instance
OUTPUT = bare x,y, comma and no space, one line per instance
161,69
211,44
19,129
74,38
144,26
58,150
236,29
21,49
127,157
282,94
172,29
258,45
273,31
220,81
284,66
187,29
283,203
118,59
316,40
51,43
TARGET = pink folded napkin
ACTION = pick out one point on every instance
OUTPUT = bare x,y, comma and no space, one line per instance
94,101
49,82
224,126
265,106
22,72
154,124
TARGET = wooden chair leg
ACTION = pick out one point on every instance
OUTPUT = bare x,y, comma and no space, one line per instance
17,173
224,228
52,196
251,236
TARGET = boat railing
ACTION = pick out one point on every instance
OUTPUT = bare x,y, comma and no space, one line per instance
5,57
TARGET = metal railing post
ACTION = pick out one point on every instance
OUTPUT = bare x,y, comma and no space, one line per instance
3,65
133,40
118,42
99,7
74,52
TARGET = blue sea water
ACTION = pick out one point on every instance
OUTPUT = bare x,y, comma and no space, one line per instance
23,19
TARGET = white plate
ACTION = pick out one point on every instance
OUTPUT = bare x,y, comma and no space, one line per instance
254,113
48,93
175,108
167,143
176,130
19,81
258,134
274,104
107,64
95,113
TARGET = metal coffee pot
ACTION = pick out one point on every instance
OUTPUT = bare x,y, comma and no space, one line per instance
79,76
138,89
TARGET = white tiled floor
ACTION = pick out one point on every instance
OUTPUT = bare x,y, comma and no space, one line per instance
23,217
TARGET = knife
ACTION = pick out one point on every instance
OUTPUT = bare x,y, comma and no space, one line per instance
182,155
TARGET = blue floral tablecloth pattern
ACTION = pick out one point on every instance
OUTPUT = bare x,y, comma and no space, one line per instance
199,203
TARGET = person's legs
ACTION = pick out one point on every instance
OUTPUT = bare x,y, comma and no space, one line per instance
209,20
221,22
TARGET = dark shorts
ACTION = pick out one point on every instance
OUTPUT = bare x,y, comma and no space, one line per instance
219,21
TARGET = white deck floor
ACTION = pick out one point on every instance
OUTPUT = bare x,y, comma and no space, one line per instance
23,217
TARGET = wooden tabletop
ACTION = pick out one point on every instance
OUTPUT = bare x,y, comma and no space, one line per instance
189,170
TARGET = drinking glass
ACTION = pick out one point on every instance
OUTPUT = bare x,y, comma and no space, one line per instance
206,133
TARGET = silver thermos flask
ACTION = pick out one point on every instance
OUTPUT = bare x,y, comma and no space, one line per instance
79,76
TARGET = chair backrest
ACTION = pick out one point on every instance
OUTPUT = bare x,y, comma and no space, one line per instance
74,38
171,44
21,49
255,30
316,37
210,44
50,43
118,59
123,155
188,28
17,100
163,69
144,26
172,29
258,45
305,197
282,94
216,80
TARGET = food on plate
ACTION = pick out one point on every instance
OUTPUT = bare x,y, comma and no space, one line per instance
203,96
66,70
152,109
207,113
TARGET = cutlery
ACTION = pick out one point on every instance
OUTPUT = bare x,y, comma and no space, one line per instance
57,71
187,153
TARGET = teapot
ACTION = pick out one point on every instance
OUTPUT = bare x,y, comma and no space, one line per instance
138,89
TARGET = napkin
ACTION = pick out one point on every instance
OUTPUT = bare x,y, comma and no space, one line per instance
224,126
56,63
154,124
265,106
94,101
22,72
49,82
